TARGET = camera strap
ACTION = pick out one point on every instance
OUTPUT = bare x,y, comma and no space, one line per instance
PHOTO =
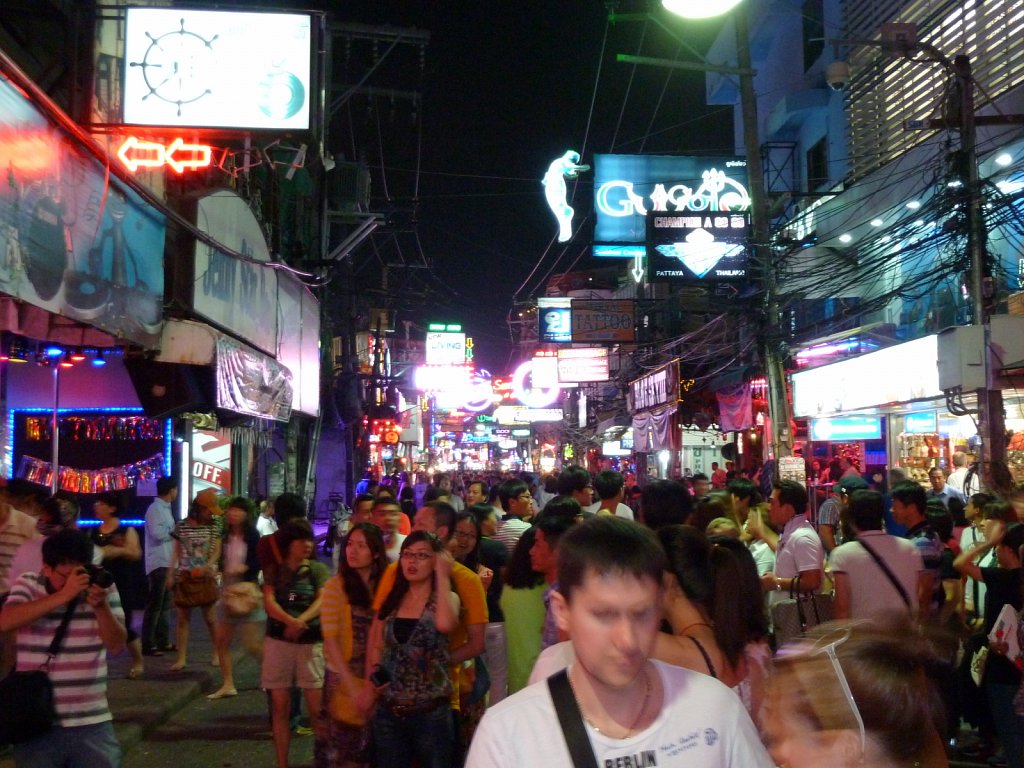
58,637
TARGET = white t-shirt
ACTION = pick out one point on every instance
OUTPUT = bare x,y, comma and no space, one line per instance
266,525
620,511
872,594
702,724
968,539
764,557
799,550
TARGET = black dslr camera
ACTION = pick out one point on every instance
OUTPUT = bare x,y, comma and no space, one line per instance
101,577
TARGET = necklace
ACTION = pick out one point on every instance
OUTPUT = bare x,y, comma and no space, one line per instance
636,720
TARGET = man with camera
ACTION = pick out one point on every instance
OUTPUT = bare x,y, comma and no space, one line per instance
84,733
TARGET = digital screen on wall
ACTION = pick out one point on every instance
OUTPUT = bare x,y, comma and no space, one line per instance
217,69
630,188
698,247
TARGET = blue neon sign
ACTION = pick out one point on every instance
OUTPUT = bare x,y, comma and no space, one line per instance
628,187
847,428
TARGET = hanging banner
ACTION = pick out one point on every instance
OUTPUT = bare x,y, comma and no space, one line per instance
74,239
251,383
92,480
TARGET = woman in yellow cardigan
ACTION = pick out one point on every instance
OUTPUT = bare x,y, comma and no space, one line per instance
345,616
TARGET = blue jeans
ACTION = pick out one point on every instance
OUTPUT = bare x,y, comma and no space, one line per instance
428,738
80,746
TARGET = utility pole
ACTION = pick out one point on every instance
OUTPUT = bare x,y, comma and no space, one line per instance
959,115
778,399
991,419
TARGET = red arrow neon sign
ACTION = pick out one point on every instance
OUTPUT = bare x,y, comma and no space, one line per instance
179,156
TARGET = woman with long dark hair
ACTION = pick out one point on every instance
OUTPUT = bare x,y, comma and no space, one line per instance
522,603
408,661
241,602
346,614
714,605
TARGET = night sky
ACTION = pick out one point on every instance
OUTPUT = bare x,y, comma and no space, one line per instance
507,88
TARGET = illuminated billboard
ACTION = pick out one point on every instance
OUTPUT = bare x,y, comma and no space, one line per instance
582,364
443,348
697,247
217,69
628,188
554,315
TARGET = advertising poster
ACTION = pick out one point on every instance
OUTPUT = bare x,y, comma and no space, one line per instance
217,69
73,239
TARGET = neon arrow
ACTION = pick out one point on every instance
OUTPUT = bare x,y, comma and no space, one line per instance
135,154
141,154
638,267
201,154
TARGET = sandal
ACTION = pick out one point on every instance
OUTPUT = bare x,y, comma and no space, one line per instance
177,666
223,693
135,673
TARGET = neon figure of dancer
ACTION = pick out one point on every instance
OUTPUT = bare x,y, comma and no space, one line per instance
555,190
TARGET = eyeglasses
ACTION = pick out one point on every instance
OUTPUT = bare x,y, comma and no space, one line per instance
464,535
525,497
830,651
421,556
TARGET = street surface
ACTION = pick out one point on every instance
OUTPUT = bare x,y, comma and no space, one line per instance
218,734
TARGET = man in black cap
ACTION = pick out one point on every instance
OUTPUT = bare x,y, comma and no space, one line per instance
829,530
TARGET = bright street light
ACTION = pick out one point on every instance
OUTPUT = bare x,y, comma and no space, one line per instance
699,9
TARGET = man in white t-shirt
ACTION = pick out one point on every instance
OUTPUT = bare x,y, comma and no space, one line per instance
863,590
610,487
634,711
799,555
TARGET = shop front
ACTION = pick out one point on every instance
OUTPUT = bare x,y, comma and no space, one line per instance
897,408
653,403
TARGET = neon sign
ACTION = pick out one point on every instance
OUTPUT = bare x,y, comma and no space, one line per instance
555,190
629,187
718,193
179,156
530,395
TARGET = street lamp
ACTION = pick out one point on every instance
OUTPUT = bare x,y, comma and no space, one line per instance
699,9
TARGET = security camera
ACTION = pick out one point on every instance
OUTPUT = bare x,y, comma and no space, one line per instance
837,75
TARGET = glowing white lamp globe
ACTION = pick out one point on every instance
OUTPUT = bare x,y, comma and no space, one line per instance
699,9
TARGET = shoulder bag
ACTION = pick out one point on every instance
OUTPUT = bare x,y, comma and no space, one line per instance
571,720
196,588
26,698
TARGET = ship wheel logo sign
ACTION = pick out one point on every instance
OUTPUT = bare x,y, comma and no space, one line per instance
175,66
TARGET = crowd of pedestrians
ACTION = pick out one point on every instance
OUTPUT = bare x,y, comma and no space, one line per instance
507,617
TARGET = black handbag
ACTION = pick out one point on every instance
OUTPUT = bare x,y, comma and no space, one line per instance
26,698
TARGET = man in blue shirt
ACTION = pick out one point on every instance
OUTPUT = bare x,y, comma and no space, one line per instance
942,490
160,524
